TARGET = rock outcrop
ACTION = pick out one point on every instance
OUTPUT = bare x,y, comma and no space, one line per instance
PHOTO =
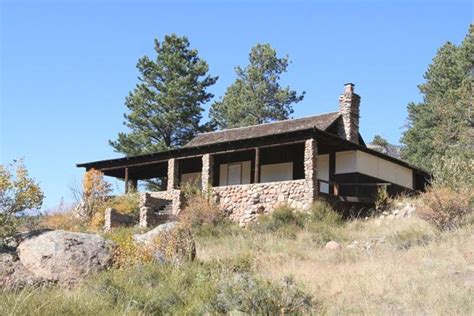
65,257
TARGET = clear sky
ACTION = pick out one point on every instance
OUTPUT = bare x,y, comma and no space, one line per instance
66,66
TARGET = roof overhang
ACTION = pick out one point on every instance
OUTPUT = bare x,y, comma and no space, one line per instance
180,153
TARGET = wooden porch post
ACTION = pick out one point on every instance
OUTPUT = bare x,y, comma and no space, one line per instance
332,172
256,178
126,180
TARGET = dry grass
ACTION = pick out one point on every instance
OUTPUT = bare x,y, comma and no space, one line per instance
400,267
62,220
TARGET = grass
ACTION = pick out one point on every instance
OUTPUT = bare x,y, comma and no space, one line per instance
280,266
400,267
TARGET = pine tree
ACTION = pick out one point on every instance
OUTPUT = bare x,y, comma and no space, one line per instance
256,95
165,108
443,124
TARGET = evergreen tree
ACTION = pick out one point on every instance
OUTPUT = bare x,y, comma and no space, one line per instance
443,124
165,106
256,95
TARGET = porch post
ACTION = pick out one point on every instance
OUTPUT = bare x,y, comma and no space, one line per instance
256,178
332,172
172,174
127,184
310,168
207,169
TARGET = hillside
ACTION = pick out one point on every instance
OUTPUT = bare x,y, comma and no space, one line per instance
386,264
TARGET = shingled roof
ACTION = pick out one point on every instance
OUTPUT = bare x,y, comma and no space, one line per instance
321,122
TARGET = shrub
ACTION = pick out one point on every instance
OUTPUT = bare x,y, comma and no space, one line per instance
445,207
176,244
280,218
92,195
250,294
383,201
18,192
322,212
127,252
455,171
124,204
201,210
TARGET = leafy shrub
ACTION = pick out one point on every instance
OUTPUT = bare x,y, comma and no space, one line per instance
445,207
92,195
18,192
383,201
176,244
127,252
200,210
124,204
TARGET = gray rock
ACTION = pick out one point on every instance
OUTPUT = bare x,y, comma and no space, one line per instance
148,237
65,257
13,275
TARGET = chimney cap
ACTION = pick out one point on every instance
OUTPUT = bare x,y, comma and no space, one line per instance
349,87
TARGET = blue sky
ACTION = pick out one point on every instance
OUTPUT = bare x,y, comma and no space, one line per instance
66,66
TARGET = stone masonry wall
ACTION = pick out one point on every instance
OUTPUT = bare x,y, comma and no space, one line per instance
206,175
311,168
114,219
349,104
151,201
244,202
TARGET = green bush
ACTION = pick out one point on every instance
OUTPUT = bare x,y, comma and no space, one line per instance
282,218
245,292
322,212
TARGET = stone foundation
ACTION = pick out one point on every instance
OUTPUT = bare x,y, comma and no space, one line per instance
244,202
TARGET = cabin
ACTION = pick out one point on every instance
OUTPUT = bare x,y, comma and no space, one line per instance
252,170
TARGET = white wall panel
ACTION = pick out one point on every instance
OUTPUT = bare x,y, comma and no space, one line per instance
276,172
358,161
245,173
323,172
346,161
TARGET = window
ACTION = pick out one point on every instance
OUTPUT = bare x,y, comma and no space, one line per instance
234,173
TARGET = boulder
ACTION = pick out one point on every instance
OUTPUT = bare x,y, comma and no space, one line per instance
13,274
333,245
148,237
65,257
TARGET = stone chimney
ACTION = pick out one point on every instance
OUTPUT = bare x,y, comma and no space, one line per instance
349,108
